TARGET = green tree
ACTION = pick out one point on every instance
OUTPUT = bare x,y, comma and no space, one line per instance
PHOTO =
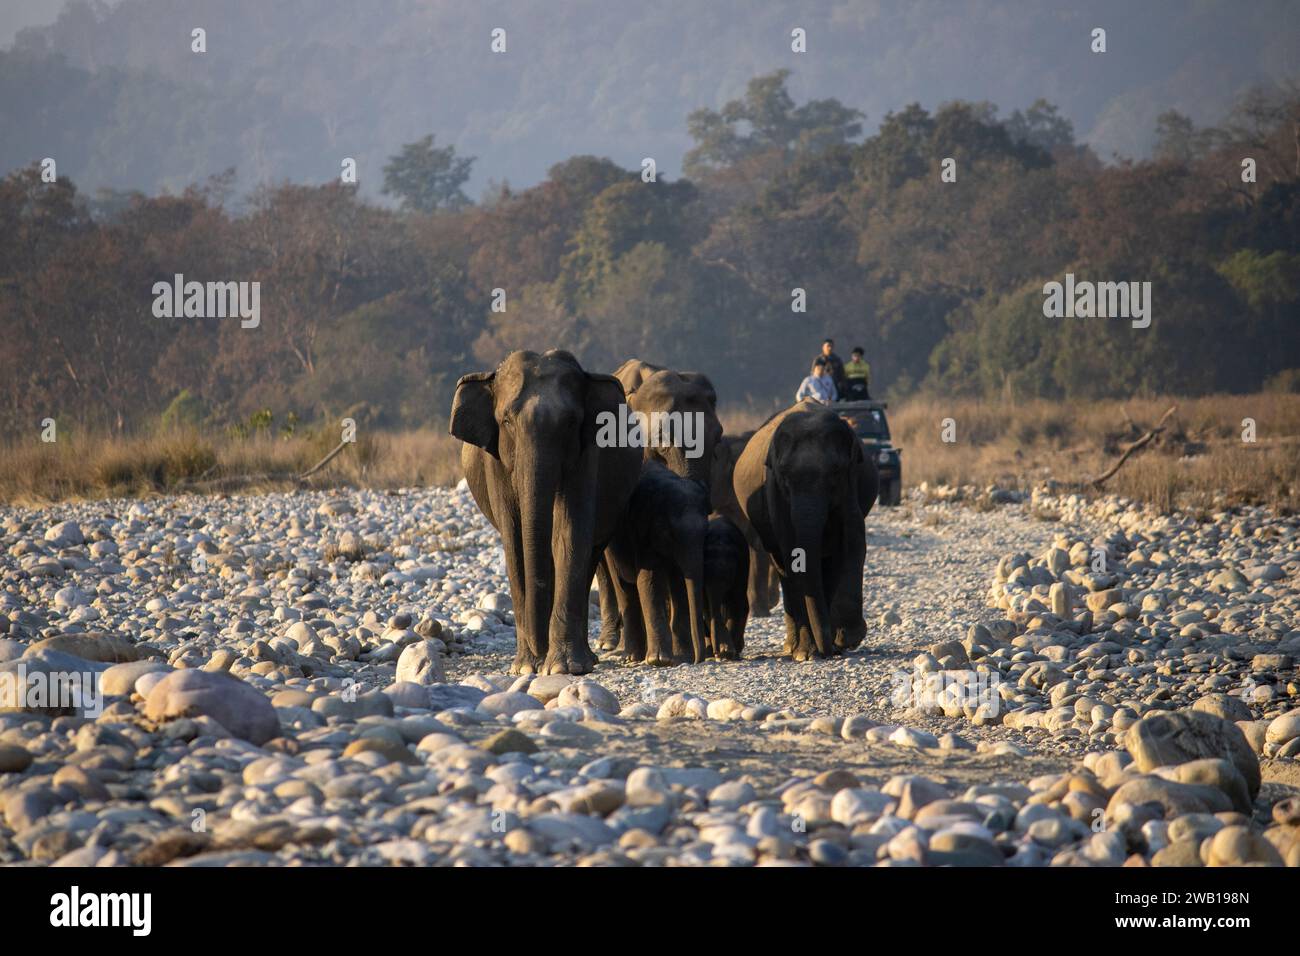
766,120
425,177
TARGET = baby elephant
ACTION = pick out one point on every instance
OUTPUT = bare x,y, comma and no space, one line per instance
726,588
656,561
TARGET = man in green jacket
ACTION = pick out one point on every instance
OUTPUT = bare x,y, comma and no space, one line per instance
857,377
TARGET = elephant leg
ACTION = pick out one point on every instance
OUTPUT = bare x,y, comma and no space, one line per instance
632,643
736,618
611,620
655,597
679,619
760,591
528,656
846,605
569,649
773,586
799,643
722,630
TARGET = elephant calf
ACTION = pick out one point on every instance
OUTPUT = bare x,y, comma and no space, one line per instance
726,585
805,487
656,563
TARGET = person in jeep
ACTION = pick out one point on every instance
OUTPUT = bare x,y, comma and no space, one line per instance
857,378
834,365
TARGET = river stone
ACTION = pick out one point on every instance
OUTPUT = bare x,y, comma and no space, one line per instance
94,646
1223,705
1176,737
1181,853
65,534
956,848
421,663
548,686
590,693
510,741
1173,797
508,703
1239,846
235,705
14,759
1212,772
452,696
1285,728
119,680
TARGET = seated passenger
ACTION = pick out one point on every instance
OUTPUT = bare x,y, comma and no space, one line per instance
818,386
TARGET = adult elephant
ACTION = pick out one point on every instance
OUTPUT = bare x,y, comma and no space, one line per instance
764,586
805,487
653,390
532,462
633,372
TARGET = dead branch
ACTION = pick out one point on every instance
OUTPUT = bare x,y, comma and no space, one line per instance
1133,447
324,461
206,480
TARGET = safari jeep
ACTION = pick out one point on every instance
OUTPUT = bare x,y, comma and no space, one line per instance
867,419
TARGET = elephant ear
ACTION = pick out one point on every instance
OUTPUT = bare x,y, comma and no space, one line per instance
702,380
604,394
868,479
473,412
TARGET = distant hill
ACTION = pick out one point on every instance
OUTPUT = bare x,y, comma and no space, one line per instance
287,89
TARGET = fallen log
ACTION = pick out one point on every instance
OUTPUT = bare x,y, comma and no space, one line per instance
1133,447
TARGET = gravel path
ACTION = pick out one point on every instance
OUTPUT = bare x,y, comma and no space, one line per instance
929,564
319,678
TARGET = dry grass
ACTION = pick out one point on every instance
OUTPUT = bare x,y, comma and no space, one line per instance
1200,463
188,460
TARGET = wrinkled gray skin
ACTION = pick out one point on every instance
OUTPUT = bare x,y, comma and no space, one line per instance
726,579
660,544
764,589
652,388
804,483
531,461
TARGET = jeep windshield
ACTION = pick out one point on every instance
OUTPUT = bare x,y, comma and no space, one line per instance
867,423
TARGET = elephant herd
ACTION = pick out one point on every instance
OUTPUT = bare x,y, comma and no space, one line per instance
685,538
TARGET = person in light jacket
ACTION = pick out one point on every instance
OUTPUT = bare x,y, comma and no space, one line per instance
818,385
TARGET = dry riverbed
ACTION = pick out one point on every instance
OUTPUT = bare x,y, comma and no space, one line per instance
320,678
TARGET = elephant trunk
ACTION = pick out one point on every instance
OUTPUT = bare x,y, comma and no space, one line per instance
808,513
537,514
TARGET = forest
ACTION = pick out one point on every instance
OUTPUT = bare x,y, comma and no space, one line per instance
937,269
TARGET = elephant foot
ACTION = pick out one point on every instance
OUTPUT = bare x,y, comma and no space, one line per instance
760,612
569,659
658,657
727,653
622,654
526,662
849,637
609,639
803,648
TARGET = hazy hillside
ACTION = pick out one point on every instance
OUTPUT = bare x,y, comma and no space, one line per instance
288,89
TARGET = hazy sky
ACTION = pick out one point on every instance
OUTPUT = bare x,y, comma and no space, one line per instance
290,86
16,14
